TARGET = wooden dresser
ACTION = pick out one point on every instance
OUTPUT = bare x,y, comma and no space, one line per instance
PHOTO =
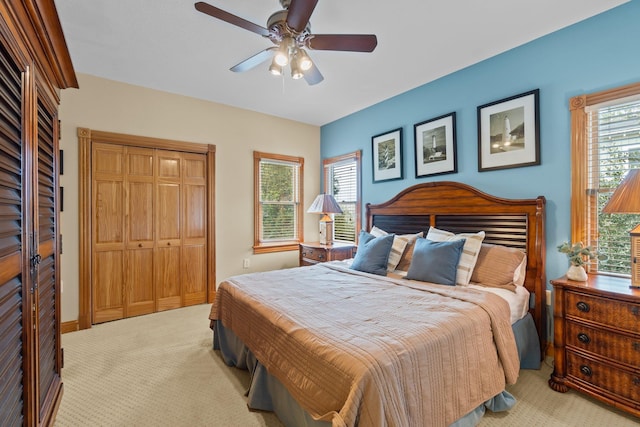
597,340
314,252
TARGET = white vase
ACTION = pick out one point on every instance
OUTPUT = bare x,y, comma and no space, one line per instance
577,273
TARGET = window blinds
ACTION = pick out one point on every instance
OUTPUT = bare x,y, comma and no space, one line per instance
343,182
279,200
613,133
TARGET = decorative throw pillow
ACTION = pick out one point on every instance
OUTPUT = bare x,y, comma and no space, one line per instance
405,261
397,249
435,262
473,242
373,253
499,267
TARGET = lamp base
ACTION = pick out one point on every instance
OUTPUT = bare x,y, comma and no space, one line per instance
326,232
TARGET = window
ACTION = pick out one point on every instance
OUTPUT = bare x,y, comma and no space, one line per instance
342,180
605,145
278,207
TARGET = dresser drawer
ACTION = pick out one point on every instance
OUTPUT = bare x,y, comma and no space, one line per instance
621,348
622,315
314,254
620,382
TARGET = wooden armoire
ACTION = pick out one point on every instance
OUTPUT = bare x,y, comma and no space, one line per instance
34,66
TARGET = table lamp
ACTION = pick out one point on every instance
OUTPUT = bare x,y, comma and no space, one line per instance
325,204
626,199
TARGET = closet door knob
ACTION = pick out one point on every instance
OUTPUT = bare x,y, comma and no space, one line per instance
139,245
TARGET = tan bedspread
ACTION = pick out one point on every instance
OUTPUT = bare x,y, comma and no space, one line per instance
359,349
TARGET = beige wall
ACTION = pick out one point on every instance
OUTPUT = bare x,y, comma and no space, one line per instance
111,106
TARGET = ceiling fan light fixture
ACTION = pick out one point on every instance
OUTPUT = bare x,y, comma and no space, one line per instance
304,61
296,71
275,69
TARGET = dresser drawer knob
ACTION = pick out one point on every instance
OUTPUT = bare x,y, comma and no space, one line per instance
636,381
304,253
635,310
320,256
636,346
586,370
584,338
583,306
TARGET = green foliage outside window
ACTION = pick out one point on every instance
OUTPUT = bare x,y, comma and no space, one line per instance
618,142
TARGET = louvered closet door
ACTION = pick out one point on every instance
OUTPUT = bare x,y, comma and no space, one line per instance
13,308
108,249
194,243
168,228
47,345
139,294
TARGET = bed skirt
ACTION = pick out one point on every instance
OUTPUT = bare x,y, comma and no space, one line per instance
266,393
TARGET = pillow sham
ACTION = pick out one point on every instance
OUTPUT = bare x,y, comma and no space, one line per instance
473,242
373,253
435,262
397,249
500,267
405,260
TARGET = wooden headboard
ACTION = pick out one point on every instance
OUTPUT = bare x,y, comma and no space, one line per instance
460,208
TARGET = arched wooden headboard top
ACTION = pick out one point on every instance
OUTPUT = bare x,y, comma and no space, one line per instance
460,208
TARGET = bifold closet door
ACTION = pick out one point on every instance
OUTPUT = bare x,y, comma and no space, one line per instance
108,236
139,257
194,244
168,209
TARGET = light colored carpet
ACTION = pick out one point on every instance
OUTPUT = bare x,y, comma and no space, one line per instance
160,370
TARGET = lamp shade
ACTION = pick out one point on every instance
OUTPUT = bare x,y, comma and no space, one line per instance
626,198
324,204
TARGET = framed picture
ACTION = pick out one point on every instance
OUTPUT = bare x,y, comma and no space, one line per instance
435,143
387,155
509,132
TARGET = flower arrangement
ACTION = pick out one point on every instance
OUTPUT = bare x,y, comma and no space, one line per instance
579,254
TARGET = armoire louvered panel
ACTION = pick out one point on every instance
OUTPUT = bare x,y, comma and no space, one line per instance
48,347
13,307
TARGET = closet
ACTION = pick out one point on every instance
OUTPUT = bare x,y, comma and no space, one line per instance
151,224
34,66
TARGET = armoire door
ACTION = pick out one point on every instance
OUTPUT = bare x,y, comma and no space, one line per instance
14,301
49,366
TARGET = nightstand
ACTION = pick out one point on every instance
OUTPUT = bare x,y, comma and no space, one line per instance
597,340
314,252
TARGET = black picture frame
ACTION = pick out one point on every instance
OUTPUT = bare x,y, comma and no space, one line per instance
435,146
386,156
509,132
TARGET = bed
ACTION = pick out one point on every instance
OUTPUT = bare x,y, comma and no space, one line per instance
334,344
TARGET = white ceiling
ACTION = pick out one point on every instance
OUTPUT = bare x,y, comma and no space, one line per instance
168,45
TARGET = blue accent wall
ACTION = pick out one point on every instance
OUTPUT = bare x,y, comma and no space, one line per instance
593,55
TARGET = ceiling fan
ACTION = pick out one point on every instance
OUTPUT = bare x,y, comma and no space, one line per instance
290,32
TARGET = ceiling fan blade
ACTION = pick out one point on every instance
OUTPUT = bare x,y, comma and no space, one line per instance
230,18
254,60
345,42
313,75
299,12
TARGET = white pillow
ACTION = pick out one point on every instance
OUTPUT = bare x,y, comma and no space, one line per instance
397,249
470,251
